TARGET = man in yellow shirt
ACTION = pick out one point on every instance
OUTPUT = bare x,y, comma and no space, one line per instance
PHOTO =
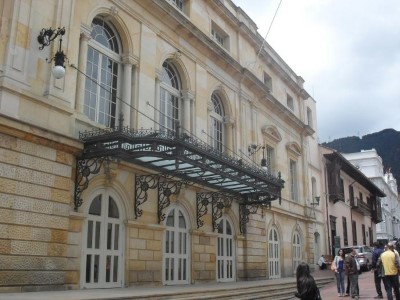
390,265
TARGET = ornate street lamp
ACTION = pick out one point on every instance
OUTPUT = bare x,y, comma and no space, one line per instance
44,39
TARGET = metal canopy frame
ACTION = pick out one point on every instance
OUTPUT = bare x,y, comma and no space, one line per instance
176,159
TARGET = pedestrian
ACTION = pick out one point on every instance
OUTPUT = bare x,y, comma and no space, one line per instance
322,263
306,287
351,271
338,262
377,277
390,265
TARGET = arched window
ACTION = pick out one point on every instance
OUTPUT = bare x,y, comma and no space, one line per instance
296,250
176,248
103,245
170,93
225,252
217,130
274,264
102,69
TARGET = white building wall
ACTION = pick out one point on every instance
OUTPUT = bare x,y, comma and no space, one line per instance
370,163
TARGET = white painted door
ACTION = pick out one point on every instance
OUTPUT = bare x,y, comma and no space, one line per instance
176,249
225,252
274,265
103,253
296,251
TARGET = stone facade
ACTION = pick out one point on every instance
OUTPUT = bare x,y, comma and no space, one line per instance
47,243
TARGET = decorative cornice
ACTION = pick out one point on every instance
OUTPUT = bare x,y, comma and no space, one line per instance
85,32
293,148
128,58
229,120
272,133
189,95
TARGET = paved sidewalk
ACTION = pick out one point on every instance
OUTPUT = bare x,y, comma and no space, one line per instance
329,292
365,283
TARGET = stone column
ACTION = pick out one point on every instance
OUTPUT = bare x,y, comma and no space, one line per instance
188,98
126,104
80,84
158,80
229,122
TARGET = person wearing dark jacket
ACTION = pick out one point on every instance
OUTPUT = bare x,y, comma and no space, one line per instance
306,287
377,279
351,271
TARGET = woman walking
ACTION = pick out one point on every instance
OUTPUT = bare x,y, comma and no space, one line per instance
339,272
306,287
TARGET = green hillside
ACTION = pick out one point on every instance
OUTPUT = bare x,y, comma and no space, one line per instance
385,142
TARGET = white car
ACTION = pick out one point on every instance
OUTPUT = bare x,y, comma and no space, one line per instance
364,256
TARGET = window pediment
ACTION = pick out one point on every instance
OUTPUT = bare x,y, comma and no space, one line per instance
293,148
272,133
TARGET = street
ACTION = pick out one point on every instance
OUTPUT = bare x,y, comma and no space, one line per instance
365,282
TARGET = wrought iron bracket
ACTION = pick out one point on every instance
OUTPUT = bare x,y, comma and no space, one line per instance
84,168
143,184
244,212
165,190
219,202
202,201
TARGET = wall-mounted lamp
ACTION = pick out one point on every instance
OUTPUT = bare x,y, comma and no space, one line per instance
44,39
315,201
253,149
264,160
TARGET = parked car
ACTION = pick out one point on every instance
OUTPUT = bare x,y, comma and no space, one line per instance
364,256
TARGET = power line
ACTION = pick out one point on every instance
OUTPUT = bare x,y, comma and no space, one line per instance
269,28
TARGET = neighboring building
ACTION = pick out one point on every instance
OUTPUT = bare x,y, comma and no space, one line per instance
370,163
353,202
142,164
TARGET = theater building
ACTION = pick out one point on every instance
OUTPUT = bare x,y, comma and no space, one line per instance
151,143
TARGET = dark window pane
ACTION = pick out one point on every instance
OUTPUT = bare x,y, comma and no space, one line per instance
115,269
112,209
109,236
90,234
95,206
88,267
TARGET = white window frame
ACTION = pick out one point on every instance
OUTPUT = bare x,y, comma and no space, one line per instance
270,157
170,102
99,88
226,258
309,117
274,250
102,251
294,185
217,126
179,4
290,102
267,81
313,188
177,239
296,246
220,36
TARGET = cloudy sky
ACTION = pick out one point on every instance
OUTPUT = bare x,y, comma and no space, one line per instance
347,51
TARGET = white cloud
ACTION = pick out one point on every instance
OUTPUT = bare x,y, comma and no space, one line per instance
348,52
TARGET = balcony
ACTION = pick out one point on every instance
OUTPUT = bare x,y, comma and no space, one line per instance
360,206
172,160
